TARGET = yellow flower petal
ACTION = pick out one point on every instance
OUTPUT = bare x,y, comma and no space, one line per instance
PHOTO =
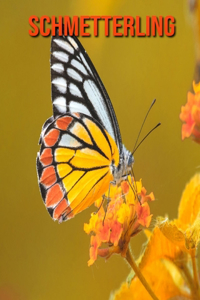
98,202
193,234
148,233
139,186
175,273
190,202
186,241
124,213
164,285
92,224
159,247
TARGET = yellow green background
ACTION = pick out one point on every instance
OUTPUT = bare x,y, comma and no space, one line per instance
39,259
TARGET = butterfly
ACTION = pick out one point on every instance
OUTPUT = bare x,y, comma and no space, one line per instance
81,150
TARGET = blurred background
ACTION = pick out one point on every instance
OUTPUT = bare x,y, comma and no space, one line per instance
40,259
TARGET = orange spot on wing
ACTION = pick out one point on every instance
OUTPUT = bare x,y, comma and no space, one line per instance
48,176
68,213
54,195
64,122
60,208
51,137
77,115
46,157
63,209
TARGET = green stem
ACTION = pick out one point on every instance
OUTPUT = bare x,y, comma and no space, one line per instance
137,271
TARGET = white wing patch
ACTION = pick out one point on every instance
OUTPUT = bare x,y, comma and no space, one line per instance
68,141
78,107
61,84
61,56
74,90
97,100
85,62
74,44
58,68
64,45
78,66
60,104
73,74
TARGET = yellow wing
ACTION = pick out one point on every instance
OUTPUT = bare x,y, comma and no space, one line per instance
74,164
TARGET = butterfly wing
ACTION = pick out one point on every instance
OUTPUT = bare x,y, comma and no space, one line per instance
74,164
77,87
82,138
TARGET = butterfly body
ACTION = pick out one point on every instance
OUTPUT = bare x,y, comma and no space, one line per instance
126,162
81,150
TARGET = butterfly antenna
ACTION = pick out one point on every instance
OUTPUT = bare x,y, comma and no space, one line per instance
143,124
146,137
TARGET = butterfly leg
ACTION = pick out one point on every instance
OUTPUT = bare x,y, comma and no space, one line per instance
102,202
133,186
123,196
108,199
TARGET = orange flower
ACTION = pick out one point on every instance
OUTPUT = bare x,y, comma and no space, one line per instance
190,115
124,218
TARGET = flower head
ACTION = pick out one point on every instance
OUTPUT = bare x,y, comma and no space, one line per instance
190,115
112,230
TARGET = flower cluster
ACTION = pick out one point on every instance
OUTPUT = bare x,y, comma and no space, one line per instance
190,115
126,213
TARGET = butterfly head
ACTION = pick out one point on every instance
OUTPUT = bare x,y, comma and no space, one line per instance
127,161
130,159
125,165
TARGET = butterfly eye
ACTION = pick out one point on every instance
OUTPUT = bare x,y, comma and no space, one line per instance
130,160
